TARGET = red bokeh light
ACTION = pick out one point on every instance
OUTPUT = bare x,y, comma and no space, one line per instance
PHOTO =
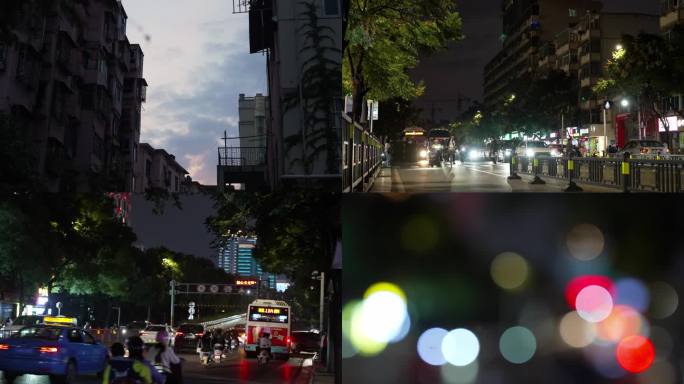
635,353
580,282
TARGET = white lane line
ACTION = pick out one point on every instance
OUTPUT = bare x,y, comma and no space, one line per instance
400,184
477,170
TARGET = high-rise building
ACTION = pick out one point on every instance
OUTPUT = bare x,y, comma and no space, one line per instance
72,83
527,26
235,257
302,41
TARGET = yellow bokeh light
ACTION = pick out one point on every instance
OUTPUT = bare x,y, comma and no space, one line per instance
385,287
359,339
577,332
509,270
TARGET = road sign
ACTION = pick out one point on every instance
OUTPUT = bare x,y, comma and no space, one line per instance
201,288
214,288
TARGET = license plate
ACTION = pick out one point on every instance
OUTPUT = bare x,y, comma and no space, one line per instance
190,336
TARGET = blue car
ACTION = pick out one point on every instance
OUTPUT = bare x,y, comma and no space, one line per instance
59,351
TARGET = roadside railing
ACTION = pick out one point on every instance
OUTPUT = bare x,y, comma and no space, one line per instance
361,157
241,156
629,174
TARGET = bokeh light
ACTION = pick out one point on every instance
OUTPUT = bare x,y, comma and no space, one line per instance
403,331
632,292
623,321
575,331
661,372
602,358
594,303
664,300
358,328
517,345
430,346
420,234
635,353
580,282
348,348
662,342
509,270
460,347
452,374
382,315
585,242
385,287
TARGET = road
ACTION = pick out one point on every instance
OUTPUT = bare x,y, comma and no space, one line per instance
466,177
234,369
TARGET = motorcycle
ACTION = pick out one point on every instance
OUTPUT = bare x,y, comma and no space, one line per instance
218,353
264,357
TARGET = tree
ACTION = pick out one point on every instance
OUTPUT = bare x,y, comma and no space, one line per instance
648,69
385,38
397,114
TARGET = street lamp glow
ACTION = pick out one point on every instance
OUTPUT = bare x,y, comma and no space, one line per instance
618,47
624,103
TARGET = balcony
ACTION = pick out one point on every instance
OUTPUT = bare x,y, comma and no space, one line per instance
242,156
245,165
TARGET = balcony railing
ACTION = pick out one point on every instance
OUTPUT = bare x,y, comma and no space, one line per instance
242,156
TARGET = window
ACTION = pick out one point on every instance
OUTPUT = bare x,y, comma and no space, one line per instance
88,339
572,12
115,126
3,56
331,7
98,146
133,184
75,336
103,65
148,168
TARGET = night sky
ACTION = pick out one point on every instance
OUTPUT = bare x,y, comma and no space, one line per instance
460,69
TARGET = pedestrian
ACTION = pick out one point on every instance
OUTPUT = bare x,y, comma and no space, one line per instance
324,349
583,150
163,356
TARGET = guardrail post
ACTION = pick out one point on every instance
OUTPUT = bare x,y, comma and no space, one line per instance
513,168
572,186
626,179
535,166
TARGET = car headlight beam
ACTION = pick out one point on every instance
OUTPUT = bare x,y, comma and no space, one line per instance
423,153
529,153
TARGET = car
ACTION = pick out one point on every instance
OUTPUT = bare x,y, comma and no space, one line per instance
60,351
533,149
133,328
473,153
21,322
305,341
187,335
149,334
644,147
505,151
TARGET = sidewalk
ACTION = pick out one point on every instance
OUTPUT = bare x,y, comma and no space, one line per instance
320,376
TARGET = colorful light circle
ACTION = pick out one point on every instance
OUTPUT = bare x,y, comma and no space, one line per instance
460,347
517,345
385,287
575,331
580,282
509,270
585,242
430,346
594,303
635,353
664,301
632,292
382,315
622,322
453,374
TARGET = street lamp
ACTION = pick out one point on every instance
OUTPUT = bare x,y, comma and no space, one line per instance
606,106
624,103
315,275
618,47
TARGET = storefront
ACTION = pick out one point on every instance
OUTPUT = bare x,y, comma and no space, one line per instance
675,125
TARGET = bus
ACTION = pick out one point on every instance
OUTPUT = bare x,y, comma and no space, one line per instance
414,141
272,317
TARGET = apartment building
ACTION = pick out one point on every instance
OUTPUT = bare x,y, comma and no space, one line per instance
672,14
527,26
252,127
62,80
236,258
156,168
305,89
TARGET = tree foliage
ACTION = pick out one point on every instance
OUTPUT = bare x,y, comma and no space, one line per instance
385,38
648,69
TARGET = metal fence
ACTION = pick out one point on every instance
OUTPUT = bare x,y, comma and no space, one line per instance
628,174
361,157
242,156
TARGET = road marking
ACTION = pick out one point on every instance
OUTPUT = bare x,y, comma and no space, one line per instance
396,179
490,173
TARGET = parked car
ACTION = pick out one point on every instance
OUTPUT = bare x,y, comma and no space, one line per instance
149,334
645,147
305,341
533,149
59,351
21,322
187,335
134,328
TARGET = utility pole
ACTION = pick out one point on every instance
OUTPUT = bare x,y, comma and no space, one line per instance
118,316
173,296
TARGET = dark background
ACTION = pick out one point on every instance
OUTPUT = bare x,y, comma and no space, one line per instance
438,249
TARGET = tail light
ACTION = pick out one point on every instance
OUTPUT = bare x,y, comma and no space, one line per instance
200,334
179,333
4,347
48,349
289,340
644,150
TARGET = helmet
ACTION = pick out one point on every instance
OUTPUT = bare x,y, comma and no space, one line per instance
162,337
135,344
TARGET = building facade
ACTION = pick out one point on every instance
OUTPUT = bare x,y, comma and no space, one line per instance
672,14
63,72
235,257
156,168
527,26
252,112
304,85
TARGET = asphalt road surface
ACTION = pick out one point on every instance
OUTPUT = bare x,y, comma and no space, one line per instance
234,369
466,177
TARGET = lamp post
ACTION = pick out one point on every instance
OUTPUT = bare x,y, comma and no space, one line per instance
118,316
320,276
606,106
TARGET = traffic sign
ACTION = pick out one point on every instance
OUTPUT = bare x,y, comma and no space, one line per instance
201,288
214,288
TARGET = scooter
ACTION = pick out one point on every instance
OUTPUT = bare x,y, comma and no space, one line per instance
218,353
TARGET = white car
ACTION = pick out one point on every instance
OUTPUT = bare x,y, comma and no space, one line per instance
21,322
149,334
645,147
532,149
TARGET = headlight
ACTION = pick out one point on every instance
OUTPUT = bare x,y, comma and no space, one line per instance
529,153
473,155
423,153
463,148
437,146
123,331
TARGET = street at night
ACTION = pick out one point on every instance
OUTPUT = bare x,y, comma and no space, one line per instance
465,177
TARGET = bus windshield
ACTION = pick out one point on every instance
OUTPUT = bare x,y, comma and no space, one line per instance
269,314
